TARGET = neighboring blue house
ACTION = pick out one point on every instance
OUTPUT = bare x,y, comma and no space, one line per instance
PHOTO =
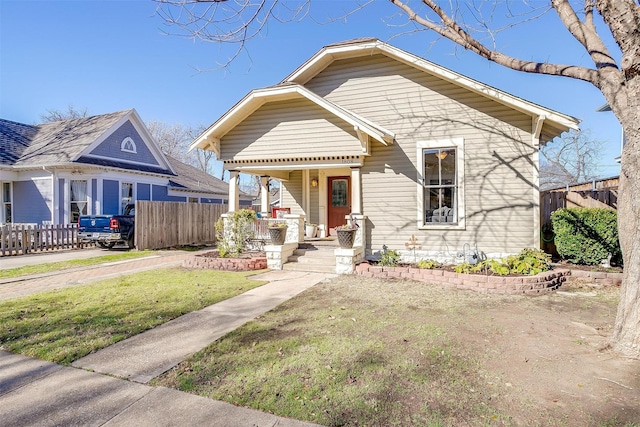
54,172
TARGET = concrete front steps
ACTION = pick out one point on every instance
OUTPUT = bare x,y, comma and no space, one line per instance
314,257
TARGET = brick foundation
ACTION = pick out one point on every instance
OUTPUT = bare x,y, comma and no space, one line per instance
529,285
225,264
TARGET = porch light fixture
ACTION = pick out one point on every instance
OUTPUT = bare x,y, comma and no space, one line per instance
441,155
314,182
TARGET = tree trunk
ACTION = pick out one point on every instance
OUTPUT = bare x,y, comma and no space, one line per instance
626,333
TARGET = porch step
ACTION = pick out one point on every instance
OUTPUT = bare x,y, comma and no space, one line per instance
309,257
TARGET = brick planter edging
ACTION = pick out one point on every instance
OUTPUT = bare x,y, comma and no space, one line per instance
599,277
529,285
225,264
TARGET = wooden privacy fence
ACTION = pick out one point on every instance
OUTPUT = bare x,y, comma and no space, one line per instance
23,239
168,224
551,201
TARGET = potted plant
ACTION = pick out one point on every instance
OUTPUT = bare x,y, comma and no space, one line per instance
277,232
346,234
310,230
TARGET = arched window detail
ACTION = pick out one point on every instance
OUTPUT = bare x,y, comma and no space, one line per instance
128,146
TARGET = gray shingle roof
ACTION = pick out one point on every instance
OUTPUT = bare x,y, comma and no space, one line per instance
51,143
14,140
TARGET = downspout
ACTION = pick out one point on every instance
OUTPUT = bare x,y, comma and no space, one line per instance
538,122
55,202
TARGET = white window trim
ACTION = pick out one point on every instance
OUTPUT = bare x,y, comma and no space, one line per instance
3,220
458,144
123,145
88,200
134,192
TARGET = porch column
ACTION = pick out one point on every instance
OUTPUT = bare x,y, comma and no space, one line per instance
264,196
234,195
356,191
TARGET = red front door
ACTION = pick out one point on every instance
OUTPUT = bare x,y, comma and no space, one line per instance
339,190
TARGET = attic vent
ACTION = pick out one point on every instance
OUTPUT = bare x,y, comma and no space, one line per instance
128,146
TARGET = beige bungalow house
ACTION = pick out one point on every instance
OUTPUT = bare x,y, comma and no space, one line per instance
407,147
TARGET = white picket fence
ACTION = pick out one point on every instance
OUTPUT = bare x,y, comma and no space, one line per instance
17,239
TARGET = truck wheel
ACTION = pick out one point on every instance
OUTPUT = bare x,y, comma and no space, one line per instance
130,242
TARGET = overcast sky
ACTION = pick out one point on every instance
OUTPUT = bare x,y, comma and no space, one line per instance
114,55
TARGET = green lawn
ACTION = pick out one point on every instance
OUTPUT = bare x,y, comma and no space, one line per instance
64,325
65,265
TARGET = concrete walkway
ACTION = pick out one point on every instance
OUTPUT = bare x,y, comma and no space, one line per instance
38,393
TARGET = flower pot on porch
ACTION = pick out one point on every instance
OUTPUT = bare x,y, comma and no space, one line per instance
310,230
278,235
346,238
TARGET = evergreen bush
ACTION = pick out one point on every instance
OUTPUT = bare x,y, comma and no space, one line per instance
586,235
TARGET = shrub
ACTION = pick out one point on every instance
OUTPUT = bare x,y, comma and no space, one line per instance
495,266
464,268
529,261
390,258
586,235
239,231
428,264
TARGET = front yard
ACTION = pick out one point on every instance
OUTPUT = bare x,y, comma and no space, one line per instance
363,352
368,352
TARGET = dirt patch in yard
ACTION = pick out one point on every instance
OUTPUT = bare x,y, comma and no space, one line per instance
365,351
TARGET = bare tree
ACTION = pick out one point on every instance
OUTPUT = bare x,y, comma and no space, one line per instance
467,25
58,115
174,140
571,159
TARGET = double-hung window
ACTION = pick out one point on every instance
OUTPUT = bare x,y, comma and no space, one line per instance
127,195
440,189
6,203
78,199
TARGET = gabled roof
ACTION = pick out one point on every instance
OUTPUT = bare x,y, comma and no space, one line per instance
210,138
555,122
57,142
195,180
68,141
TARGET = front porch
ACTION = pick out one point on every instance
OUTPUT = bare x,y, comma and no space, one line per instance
298,252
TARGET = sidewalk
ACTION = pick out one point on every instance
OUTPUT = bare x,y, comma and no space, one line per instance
39,393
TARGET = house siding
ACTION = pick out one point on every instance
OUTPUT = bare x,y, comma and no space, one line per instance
143,192
61,204
211,201
288,129
110,197
314,194
499,192
94,196
111,147
35,201
160,194
291,193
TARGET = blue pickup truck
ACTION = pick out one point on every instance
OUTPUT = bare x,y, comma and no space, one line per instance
109,230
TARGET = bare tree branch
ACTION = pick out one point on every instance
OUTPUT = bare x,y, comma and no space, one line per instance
450,29
232,22
58,115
